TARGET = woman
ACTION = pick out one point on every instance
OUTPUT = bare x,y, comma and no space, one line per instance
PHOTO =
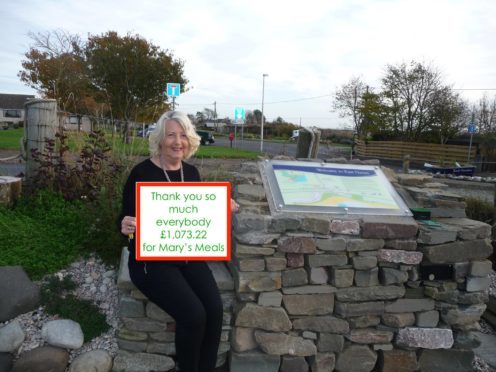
185,290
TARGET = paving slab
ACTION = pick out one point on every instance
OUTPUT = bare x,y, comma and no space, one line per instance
487,348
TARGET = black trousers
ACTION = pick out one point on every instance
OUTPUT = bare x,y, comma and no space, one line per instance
186,291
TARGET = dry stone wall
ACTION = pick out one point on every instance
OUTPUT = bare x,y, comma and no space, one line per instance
324,292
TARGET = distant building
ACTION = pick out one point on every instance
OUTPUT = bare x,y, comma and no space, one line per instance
12,109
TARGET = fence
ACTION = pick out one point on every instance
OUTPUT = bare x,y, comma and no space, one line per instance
424,152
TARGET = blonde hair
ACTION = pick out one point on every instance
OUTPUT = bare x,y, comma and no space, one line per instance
159,132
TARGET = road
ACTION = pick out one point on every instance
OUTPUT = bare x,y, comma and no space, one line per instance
283,148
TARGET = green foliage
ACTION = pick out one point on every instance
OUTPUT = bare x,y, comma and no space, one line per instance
10,139
480,210
224,152
57,299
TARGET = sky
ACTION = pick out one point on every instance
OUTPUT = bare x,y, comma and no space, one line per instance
308,49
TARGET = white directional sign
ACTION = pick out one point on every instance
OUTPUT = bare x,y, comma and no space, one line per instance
239,115
173,89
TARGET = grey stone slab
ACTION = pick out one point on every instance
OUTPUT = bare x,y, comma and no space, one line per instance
331,244
273,298
311,304
138,362
369,336
247,281
328,324
256,237
296,245
250,250
427,319
390,276
481,268
469,229
386,227
356,245
123,278
364,262
267,318
342,278
283,344
356,358
436,235
253,361
275,263
358,309
316,225
329,342
487,348
318,275
293,364
250,192
319,260
367,278
309,289
294,277
477,284
459,251
355,294
244,222
445,360
131,308
345,227
426,338
406,305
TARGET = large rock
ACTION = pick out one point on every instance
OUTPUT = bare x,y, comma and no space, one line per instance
385,227
322,324
18,294
296,244
398,361
330,342
356,294
256,237
64,333
358,309
357,245
11,337
254,361
293,364
404,305
244,222
242,250
257,281
46,359
94,360
462,315
267,318
309,304
345,227
460,251
138,362
446,360
398,256
468,229
356,358
322,362
243,339
281,343
369,336
426,338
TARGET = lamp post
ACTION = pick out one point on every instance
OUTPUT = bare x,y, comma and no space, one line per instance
261,130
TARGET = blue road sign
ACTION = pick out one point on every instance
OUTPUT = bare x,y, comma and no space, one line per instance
173,89
239,115
471,129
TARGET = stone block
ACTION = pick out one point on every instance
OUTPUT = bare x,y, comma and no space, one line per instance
399,320
273,298
401,244
446,360
438,235
294,277
413,179
309,289
295,259
128,335
356,358
253,361
282,343
257,281
462,315
275,263
356,294
311,304
459,251
250,264
316,225
281,224
398,361
318,275
162,336
476,284
425,338
331,244
398,256
364,262
293,364
367,278
358,309
156,313
480,268
427,319
296,245
322,362
356,245
142,324
256,237
390,276
469,229
409,305
125,361
369,336
249,250
319,260
135,346
329,342
250,192
131,308
364,321
328,324
267,318
385,227
165,348
243,339
244,222
342,278
345,227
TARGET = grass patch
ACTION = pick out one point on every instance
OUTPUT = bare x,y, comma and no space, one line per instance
10,139
480,210
57,299
225,152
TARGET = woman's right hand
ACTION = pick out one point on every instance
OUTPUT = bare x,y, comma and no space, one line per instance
128,225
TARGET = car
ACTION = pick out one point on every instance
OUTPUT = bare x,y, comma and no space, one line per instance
147,131
206,137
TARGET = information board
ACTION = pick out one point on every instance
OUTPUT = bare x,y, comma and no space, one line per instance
331,188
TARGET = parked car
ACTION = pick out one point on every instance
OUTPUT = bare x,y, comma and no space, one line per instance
206,137
147,131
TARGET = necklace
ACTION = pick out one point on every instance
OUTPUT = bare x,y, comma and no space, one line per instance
165,172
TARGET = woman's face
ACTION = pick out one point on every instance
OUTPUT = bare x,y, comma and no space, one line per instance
175,145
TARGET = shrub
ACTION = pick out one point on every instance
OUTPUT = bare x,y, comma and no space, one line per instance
480,210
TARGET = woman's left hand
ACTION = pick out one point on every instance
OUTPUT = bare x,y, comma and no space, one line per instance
234,206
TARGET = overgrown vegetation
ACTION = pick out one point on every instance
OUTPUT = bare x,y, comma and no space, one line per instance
480,210
58,300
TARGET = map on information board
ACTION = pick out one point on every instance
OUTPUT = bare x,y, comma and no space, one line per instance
332,188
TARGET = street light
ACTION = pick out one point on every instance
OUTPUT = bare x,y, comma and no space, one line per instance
263,91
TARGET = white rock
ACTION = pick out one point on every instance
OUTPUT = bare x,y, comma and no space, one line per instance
64,333
11,337
95,360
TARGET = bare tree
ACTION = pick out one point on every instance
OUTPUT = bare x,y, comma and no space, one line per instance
486,115
348,101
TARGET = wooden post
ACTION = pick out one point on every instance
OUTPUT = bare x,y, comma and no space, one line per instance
41,123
